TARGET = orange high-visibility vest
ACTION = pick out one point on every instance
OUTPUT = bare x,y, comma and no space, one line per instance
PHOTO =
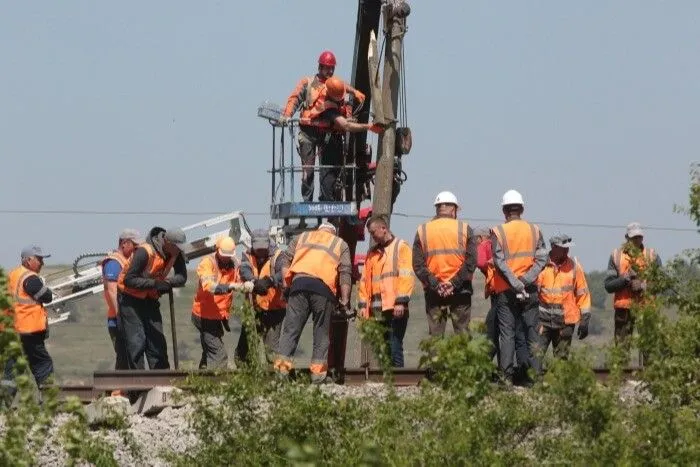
317,254
518,240
273,300
29,314
155,269
119,258
444,243
563,290
623,262
207,305
386,277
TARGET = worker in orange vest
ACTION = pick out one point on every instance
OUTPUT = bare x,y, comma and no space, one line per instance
519,255
316,264
141,282
218,276
444,259
315,121
30,320
111,266
565,300
262,265
386,285
624,279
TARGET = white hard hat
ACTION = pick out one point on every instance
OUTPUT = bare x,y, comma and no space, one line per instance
512,197
446,197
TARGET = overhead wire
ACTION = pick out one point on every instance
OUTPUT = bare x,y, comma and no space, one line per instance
253,213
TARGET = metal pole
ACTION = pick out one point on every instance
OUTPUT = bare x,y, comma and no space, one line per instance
174,331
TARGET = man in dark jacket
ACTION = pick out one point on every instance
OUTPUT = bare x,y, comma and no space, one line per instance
141,283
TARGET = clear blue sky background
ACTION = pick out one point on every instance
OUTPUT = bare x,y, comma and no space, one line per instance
590,109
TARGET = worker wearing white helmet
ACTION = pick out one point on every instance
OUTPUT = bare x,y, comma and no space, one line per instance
519,255
444,259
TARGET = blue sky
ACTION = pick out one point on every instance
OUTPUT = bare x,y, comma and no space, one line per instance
590,109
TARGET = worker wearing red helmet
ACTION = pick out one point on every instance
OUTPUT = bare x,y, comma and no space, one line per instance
318,129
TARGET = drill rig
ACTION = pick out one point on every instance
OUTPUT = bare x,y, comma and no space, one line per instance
357,173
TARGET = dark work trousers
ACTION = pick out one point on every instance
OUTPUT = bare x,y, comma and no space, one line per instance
395,332
120,362
517,317
492,331
141,326
330,147
457,307
560,338
38,358
211,333
269,327
300,306
624,328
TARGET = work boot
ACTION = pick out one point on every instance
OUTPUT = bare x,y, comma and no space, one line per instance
321,378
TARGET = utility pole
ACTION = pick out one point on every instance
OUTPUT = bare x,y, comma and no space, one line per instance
394,14
386,104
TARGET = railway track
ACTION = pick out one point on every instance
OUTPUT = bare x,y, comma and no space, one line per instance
103,382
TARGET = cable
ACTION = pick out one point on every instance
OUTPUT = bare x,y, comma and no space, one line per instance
397,214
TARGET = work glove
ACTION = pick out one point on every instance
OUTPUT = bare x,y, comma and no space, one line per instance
224,323
583,326
248,286
163,286
637,285
283,120
221,289
519,287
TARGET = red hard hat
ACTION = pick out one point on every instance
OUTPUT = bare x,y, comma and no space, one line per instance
326,58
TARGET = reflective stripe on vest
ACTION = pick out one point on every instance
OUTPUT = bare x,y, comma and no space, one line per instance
317,254
207,305
556,291
386,275
518,240
625,298
273,300
444,243
119,258
155,269
29,315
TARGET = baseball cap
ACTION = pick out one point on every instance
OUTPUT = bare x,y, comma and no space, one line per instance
131,234
175,235
33,250
561,240
634,229
260,239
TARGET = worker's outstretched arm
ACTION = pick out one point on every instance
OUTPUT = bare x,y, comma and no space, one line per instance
342,123
35,288
295,99
209,277
246,270
278,273
530,277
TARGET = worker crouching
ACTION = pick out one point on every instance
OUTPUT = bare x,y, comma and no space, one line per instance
141,283
30,320
262,265
386,285
217,276
318,261
564,299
